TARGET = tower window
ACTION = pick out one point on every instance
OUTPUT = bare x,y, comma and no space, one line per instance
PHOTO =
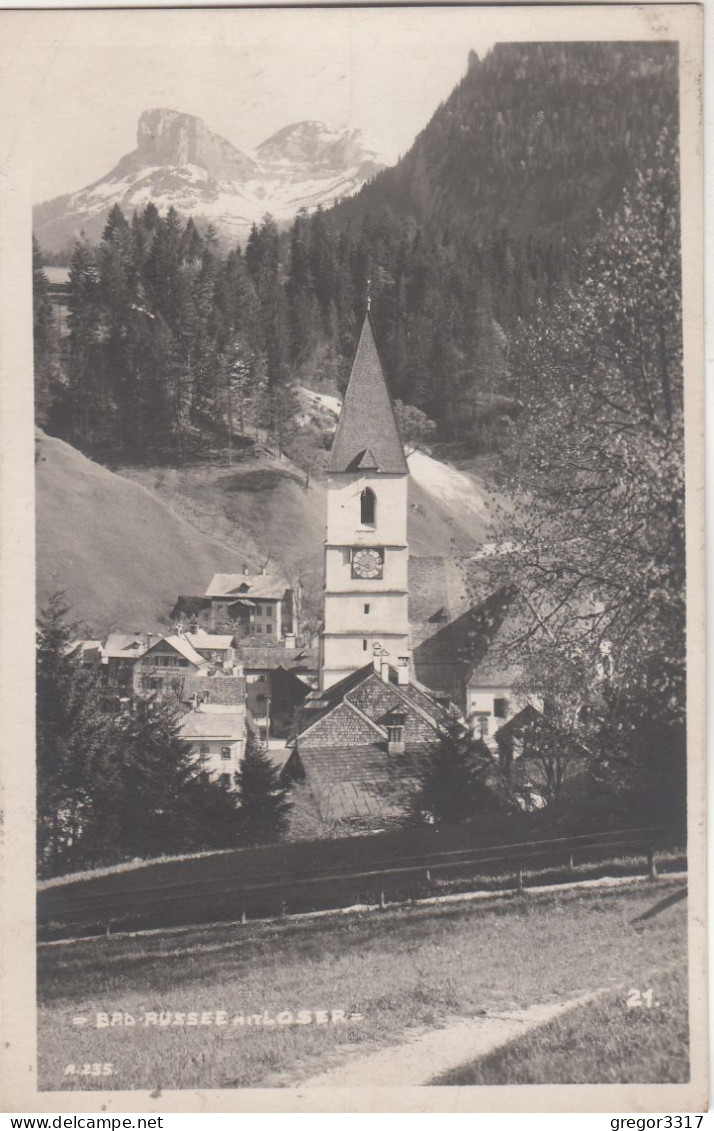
368,507
366,610
364,645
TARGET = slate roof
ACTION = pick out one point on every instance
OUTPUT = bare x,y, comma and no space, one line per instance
262,586
367,436
354,713
228,690
357,782
342,742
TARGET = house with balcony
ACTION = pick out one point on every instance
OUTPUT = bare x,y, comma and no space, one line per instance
164,665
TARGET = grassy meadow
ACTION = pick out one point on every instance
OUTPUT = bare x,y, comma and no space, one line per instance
599,1043
388,972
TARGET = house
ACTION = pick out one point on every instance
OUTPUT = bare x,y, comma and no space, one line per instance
89,652
271,697
164,665
360,741
261,604
216,648
120,653
215,733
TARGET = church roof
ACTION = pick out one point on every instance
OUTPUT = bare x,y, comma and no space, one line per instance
367,437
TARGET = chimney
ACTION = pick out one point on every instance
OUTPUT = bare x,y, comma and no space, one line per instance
289,640
385,669
403,671
245,570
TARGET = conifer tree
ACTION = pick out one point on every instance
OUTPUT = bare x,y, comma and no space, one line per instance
76,752
264,806
453,780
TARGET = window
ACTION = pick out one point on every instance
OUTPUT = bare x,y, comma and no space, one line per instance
364,645
366,610
500,708
258,628
225,753
225,779
482,725
205,748
261,699
368,507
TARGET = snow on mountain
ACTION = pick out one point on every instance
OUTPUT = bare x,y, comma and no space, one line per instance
179,161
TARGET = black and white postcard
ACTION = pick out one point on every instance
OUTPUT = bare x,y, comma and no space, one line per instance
352,569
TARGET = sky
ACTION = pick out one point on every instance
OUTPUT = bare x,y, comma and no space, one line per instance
90,74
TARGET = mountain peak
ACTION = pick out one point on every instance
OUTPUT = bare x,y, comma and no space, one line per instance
169,137
313,143
180,162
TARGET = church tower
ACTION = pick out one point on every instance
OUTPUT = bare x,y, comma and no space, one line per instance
366,552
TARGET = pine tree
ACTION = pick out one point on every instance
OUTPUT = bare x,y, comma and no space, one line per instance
264,806
76,752
44,338
168,803
453,781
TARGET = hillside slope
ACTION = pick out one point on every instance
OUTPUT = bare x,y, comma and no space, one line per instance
123,546
118,552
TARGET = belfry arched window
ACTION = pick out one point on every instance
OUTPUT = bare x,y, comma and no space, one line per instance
368,507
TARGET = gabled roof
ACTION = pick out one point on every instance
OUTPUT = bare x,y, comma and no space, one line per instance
125,645
367,436
181,645
423,708
208,640
261,585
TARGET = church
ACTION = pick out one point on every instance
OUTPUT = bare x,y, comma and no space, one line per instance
360,738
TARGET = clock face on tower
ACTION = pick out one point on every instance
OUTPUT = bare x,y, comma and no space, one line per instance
367,563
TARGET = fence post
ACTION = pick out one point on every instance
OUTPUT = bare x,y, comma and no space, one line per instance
651,864
243,917
382,904
428,875
109,927
571,862
519,880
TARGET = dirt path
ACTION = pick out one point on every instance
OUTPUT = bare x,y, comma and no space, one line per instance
426,1055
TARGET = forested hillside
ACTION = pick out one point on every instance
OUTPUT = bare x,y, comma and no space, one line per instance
174,341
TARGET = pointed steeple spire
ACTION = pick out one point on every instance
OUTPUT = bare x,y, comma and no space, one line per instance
367,432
